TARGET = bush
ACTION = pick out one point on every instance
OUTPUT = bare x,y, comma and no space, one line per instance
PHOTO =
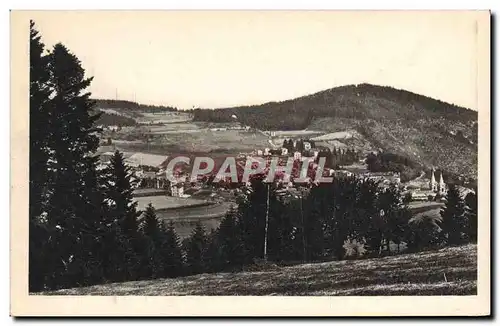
423,233
354,249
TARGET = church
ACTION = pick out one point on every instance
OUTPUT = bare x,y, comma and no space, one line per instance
438,187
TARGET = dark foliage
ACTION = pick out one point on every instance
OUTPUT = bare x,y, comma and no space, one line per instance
390,162
120,104
423,233
196,249
471,215
454,220
110,119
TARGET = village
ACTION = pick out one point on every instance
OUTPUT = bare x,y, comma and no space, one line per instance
202,200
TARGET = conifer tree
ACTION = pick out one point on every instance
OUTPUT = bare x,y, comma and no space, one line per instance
118,192
76,203
153,260
172,253
471,214
213,253
38,159
453,216
229,242
122,243
196,249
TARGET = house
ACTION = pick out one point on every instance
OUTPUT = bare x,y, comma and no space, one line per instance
307,146
422,195
284,151
340,173
177,190
384,177
297,155
267,151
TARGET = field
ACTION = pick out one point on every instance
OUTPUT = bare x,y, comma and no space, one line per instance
448,271
336,135
207,140
297,133
167,202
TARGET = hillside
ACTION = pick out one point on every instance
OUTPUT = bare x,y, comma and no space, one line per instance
449,271
131,106
426,130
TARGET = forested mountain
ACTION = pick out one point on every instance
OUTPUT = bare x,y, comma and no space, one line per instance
426,130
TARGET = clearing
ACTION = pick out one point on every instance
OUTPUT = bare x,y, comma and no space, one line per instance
448,271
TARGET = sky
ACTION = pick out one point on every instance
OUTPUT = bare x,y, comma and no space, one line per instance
217,59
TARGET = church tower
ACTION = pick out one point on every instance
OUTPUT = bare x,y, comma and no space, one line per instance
433,186
442,185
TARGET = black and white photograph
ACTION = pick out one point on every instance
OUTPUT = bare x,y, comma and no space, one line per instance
314,155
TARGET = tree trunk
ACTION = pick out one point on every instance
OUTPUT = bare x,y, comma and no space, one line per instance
267,223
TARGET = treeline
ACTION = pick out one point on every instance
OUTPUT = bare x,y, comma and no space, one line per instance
121,104
110,119
338,157
348,218
346,102
390,162
278,117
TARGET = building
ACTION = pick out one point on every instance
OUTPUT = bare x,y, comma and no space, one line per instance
284,151
422,195
177,190
267,151
340,173
437,186
384,177
297,155
307,146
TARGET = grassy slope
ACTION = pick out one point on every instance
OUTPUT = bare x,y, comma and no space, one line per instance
409,274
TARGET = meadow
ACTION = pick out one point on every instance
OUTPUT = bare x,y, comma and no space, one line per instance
447,271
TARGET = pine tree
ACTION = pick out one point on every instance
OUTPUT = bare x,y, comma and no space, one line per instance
229,242
213,254
153,260
453,216
76,204
172,253
38,159
122,243
195,251
119,194
471,214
